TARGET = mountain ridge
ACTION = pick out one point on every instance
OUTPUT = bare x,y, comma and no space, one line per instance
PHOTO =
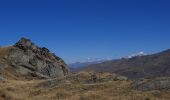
153,65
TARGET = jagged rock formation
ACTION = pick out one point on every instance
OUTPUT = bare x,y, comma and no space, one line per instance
152,84
29,59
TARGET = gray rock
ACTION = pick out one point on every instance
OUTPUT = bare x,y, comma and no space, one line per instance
122,78
39,75
2,78
117,77
2,65
29,58
152,84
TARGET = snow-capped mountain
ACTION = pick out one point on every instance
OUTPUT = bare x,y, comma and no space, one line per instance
136,54
88,61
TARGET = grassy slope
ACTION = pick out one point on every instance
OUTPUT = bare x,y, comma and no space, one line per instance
112,90
17,88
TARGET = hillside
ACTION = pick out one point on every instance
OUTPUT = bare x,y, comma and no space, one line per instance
154,65
75,87
30,72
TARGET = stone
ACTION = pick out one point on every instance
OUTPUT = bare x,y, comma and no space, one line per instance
2,78
122,78
29,58
2,65
152,84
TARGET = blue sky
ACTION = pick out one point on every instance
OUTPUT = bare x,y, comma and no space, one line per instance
80,29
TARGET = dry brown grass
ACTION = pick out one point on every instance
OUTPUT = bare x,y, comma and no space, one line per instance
4,51
115,90
17,88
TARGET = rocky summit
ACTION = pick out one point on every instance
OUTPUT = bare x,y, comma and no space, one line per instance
27,59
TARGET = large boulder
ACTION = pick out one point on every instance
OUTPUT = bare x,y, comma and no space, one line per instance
28,58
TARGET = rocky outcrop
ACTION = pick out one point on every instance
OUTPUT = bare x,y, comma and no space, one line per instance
28,58
152,84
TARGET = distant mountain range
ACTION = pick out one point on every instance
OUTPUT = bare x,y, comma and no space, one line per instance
76,65
90,61
139,66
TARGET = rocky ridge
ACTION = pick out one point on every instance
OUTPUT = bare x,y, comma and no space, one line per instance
29,59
